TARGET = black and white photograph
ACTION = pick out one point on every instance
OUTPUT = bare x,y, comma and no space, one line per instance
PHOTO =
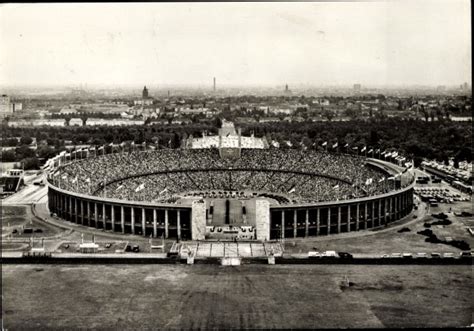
236,165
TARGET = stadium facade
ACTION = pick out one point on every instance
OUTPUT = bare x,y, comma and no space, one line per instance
231,193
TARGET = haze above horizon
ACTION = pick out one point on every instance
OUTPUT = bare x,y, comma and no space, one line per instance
419,42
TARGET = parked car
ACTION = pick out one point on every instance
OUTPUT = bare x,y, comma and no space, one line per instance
448,255
421,256
396,255
314,255
345,255
465,254
329,254
435,255
136,248
407,255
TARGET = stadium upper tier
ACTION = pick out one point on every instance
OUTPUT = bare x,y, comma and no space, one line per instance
305,176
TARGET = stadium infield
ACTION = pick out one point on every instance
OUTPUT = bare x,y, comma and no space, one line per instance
256,296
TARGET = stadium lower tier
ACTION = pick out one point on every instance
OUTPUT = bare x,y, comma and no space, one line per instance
190,222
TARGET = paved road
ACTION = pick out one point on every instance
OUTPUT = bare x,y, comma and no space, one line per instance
29,194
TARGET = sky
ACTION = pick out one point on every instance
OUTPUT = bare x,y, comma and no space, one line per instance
416,42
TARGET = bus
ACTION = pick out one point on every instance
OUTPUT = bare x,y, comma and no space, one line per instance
422,179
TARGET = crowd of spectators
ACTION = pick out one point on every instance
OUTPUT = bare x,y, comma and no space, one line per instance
159,175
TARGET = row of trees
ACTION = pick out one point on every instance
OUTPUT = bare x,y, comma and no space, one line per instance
418,139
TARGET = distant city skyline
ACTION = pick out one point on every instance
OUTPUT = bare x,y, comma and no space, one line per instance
386,43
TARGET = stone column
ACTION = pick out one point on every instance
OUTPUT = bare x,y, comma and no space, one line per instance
88,213
402,204
103,216
122,218
143,222
198,220
112,216
348,218
132,216
82,212
96,216
338,219
166,224
329,220
380,212
390,210
405,203
75,211
357,216
402,199
155,229
399,206
60,205
306,224
262,214
295,223
282,231
373,213
64,205
318,228
178,223
70,208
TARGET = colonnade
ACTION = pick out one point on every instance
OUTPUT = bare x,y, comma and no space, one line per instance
155,221
316,220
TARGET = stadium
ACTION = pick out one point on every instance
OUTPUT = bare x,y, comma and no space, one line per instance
227,187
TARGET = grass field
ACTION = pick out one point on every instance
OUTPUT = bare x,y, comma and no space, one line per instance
387,242
251,296
16,217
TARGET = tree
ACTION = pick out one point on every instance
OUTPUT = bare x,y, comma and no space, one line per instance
425,113
8,156
432,115
25,140
350,112
24,152
30,163
45,152
329,114
10,142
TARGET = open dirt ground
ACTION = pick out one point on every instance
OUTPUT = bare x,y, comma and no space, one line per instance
140,297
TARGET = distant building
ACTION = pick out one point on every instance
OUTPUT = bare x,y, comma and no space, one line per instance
286,111
76,121
464,87
357,88
68,111
269,119
146,100
440,88
112,122
228,137
7,107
